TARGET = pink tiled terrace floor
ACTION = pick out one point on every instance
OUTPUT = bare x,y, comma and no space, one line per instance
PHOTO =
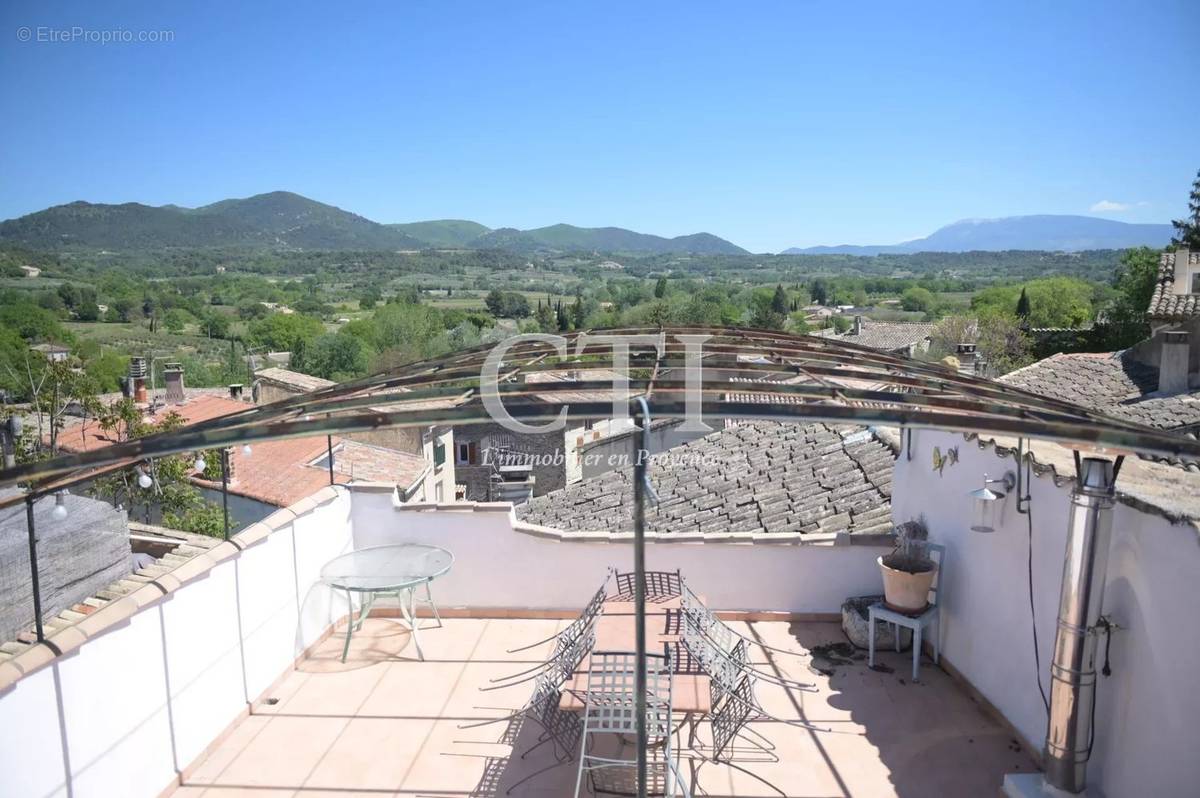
383,724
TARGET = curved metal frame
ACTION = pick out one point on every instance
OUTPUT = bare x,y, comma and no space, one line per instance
740,375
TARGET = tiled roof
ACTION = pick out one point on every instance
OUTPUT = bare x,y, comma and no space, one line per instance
1111,383
889,336
1166,305
753,477
284,471
186,545
293,379
88,435
279,472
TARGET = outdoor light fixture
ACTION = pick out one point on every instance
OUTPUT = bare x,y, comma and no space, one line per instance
60,506
246,450
199,465
988,502
144,479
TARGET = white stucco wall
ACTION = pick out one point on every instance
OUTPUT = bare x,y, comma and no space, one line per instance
498,567
121,714
1148,710
441,479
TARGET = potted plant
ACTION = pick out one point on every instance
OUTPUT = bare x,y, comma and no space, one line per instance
908,571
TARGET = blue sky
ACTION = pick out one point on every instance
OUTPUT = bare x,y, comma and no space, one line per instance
773,125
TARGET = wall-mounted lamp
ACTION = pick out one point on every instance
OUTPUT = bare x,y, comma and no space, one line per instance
144,480
988,502
60,506
246,450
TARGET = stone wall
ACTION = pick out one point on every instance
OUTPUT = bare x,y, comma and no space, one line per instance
546,450
77,556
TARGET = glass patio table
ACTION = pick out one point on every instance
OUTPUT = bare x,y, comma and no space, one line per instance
397,569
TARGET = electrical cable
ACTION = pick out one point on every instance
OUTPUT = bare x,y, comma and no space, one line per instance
1106,625
1037,659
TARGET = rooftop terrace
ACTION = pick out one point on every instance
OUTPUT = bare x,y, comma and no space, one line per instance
383,724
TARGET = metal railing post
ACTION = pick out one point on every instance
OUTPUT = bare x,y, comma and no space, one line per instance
642,415
33,568
329,448
225,488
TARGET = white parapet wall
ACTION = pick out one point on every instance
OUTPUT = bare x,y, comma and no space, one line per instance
123,702
145,684
1146,718
503,564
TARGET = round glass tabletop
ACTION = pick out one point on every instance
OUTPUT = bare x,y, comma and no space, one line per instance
392,567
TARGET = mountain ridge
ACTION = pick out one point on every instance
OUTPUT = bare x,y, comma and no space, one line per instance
1048,232
286,220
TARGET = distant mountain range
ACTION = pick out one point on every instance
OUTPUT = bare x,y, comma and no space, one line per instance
1046,232
283,220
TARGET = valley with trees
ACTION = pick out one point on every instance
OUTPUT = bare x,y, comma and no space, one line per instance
345,312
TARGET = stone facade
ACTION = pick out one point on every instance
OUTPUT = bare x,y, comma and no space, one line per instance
77,556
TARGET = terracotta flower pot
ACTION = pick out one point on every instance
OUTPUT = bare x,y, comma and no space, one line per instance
904,591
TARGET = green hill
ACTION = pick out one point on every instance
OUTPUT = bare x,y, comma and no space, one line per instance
448,233
281,220
567,237
278,220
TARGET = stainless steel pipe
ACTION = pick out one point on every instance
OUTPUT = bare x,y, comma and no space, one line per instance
1073,669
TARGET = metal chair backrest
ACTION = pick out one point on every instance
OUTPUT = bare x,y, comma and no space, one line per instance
659,584
586,619
567,657
612,694
724,666
730,717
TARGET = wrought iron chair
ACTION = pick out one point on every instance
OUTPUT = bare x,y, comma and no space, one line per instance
611,709
564,640
568,653
560,727
584,621
725,647
931,615
723,655
553,675
729,718
659,584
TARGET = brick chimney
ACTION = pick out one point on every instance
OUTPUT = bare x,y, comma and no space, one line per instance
858,325
1173,364
173,381
235,391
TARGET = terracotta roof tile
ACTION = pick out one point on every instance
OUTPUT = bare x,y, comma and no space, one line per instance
1111,383
889,336
1166,305
279,472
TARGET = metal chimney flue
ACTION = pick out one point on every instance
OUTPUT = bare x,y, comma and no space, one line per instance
137,379
1073,669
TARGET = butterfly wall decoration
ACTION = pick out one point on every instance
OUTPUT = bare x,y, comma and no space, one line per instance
940,460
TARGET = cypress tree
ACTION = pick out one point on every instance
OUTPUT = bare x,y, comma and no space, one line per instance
1187,229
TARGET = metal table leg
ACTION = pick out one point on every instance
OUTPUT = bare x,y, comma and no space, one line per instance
353,625
410,615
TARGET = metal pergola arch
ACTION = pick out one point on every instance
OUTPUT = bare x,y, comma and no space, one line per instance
740,376
736,372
